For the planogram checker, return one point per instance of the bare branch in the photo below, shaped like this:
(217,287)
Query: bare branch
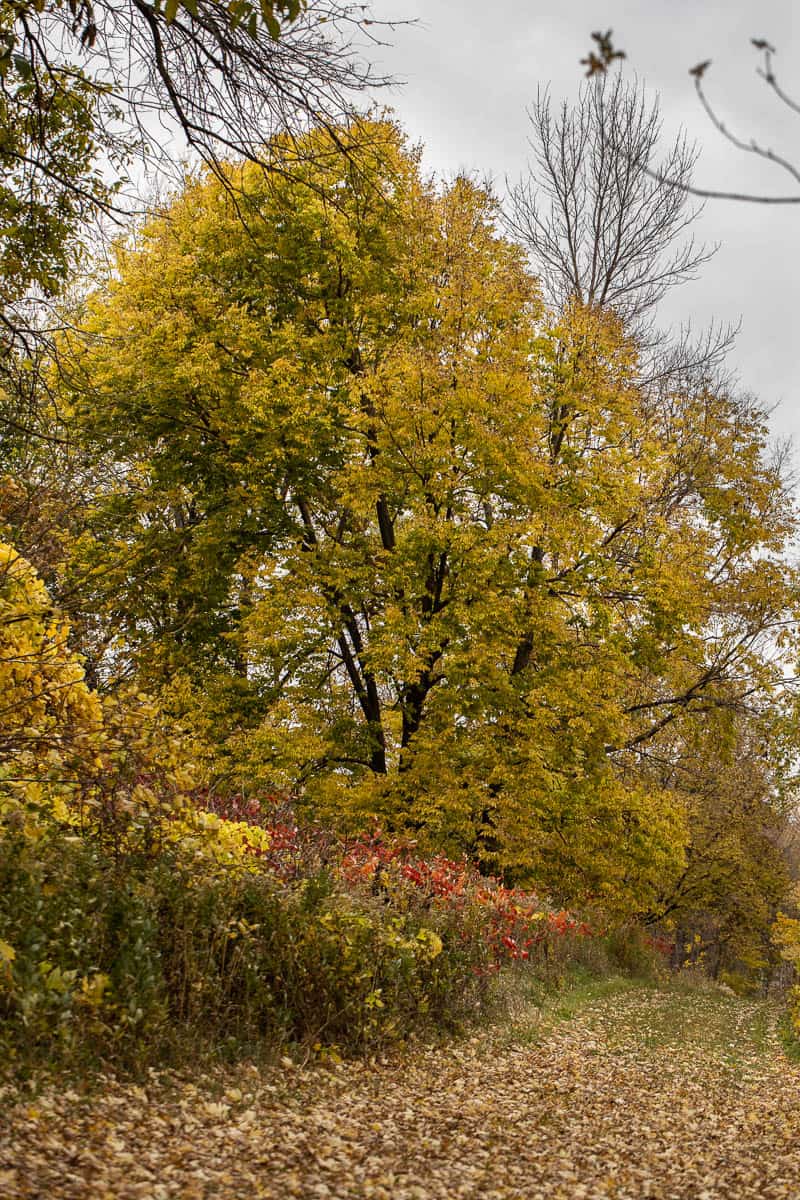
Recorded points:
(601,226)
(598,65)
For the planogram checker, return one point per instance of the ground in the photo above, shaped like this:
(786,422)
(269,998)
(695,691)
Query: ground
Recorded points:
(622,1091)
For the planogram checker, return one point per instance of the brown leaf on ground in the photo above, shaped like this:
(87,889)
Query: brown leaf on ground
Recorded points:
(643,1094)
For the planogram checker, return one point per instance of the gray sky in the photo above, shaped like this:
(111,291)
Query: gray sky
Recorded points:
(472,68)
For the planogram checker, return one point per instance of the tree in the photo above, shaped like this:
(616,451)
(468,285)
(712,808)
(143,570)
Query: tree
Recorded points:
(85,86)
(602,222)
(227,76)
(604,226)
(735,770)
(50,720)
(49,188)
(406,542)
(48,483)
(599,219)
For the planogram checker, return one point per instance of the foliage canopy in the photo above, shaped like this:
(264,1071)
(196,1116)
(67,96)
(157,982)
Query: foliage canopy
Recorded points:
(397,535)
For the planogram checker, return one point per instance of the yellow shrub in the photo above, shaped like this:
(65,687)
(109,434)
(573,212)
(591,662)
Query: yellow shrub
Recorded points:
(212,842)
(786,936)
(52,721)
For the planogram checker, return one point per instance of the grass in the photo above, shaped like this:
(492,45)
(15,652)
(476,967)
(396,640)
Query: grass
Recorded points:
(661,1017)
(732,1031)
(531,1006)
(790,1044)
(581,992)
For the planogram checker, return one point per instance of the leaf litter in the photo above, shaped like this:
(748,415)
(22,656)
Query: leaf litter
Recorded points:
(644,1093)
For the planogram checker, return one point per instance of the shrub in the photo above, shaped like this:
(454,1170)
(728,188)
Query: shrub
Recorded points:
(137,959)
(517,925)
(632,951)
(160,927)
(786,936)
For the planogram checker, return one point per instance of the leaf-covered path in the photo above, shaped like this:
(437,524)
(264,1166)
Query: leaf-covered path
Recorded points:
(641,1093)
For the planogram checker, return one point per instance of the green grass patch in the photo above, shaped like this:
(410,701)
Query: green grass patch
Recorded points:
(790,1043)
(532,1006)
(664,1017)
(667,1018)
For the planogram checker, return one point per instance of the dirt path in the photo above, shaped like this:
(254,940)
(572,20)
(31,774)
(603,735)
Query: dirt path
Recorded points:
(641,1093)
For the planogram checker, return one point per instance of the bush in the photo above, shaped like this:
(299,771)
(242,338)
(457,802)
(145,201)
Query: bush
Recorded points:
(518,926)
(136,960)
(160,928)
(632,951)
(786,937)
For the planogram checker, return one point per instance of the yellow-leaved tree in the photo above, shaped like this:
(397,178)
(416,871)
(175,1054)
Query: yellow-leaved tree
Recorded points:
(397,538)
(51,721)
(114,768)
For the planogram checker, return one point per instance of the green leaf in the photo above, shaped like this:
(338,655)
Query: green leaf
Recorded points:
(270,20)
(23,66)
(171,11)
(237,11)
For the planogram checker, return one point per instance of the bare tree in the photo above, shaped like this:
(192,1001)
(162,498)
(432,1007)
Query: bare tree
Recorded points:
(604,223)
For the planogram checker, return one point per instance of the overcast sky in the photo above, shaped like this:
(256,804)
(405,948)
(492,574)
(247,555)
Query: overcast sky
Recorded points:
(471,68)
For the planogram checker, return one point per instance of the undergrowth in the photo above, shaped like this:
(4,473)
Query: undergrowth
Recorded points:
(211,937)
(148,960)
(208,938)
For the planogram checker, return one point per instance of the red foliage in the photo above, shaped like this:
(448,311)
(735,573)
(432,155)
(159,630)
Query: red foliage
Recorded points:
(661,944)
(515,921)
